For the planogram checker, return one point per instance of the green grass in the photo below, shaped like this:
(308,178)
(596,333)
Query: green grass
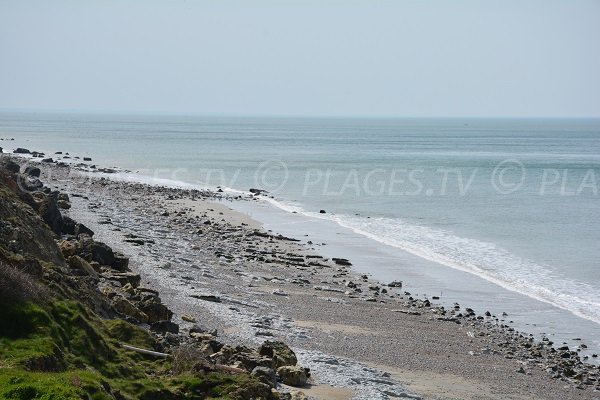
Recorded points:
(63,351)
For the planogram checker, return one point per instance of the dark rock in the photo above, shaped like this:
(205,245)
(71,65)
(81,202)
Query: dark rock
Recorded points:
(341,261)
(48,160)
(71,227)
(322,211)
(121,262)
(207,297)
(51,214)
(87,158)
(164,327)
(11,166)
(101,253)
(21,150)
(32,171)
(257,191)
(396,284)
(156,311)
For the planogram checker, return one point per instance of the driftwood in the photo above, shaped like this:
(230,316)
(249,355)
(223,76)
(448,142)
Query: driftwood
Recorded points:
(147,352)
(220,367)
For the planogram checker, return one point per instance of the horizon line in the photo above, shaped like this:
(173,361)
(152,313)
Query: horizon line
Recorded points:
(261,115)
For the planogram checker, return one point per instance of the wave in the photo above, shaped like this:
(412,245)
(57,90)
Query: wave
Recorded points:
(483,259)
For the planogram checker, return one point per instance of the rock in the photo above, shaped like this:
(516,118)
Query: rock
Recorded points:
(188,318)
(156,311)
(265,375)
(29,183)
(292,375)
(65,205)
(125,307)
(202,336)
(281,354)
(50,213)
(33,171)
(279,292)
(124,278)
(101,253)
(81,264)
(11,166)
(257,191)
(164,327)
(322,212)
(341,261)
(20,150)
(207,297)
(121,263)
(87,158)
(396,284)
(74,228)
(48,160)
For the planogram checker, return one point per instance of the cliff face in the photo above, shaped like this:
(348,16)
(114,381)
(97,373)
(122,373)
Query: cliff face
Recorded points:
(23,233)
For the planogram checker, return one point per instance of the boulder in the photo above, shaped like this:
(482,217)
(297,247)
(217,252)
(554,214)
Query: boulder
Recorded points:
(11,166)
(48,160)
(20,150)
(156,311)
(293,375)
(281,354)
(50,213)
(101,253)
(79,263)
(121,262)
(265,375)
(65,205)
(125,307)
(164,327)
(341,261)
(32,171)
(71,227)
(29,183)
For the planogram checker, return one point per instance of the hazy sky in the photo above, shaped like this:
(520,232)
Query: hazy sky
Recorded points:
(361,58)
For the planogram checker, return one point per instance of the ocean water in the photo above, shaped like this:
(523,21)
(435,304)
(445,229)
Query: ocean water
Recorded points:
(502,214)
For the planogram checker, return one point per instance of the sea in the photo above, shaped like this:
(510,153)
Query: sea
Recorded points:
(500,215)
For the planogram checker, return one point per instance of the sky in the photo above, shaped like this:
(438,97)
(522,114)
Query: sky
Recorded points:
(371,58)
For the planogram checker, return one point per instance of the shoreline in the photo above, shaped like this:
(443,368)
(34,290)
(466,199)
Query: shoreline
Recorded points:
(426,278)
(308,305)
